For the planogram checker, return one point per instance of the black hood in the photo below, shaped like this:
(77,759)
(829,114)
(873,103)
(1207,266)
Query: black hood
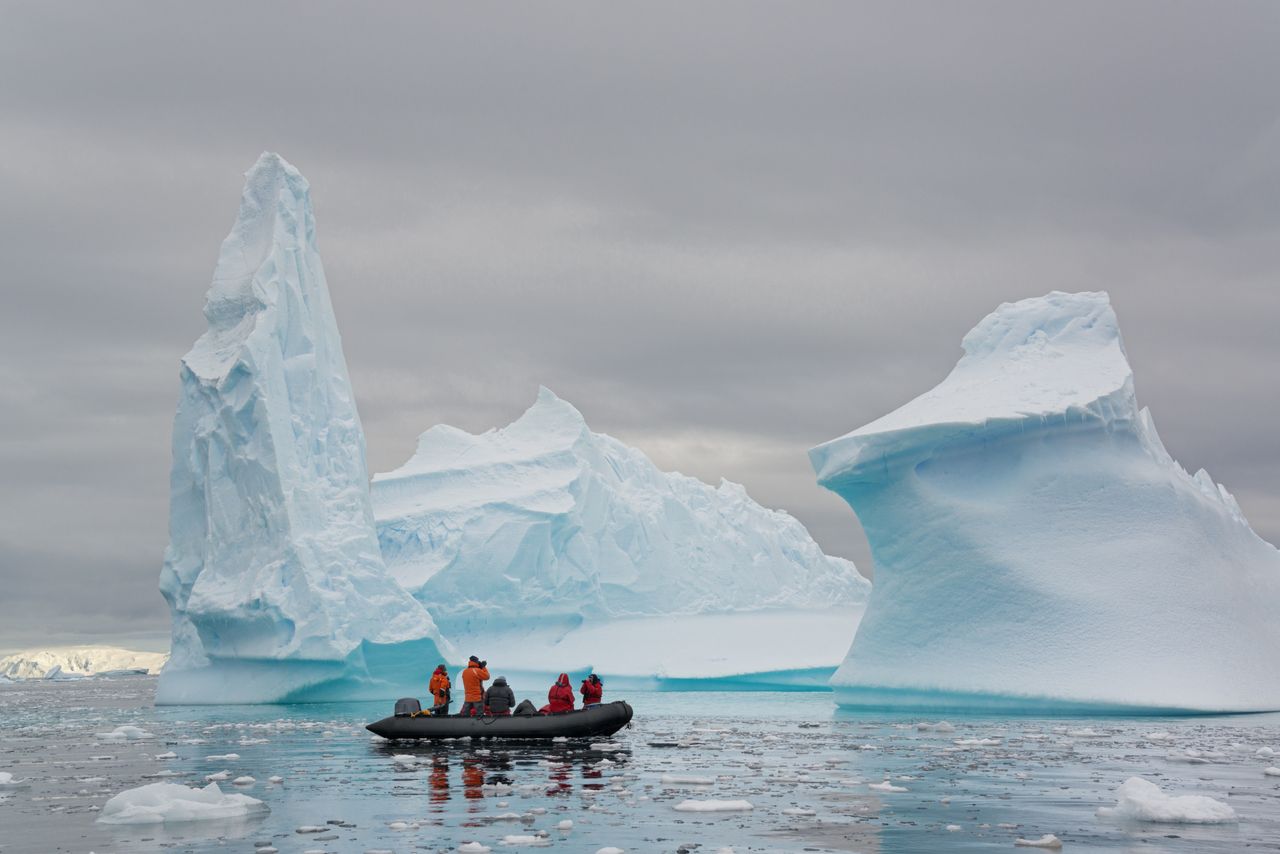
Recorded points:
(501,680)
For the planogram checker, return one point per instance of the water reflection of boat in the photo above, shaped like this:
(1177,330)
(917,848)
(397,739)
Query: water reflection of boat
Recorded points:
(591,722)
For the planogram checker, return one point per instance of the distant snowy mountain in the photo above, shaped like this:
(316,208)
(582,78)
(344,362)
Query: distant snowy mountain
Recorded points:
(1037,547)
(565,548)
(79,661)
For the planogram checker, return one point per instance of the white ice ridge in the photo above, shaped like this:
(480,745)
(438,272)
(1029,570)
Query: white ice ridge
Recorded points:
(80,660)
(273,574)
(1037,547)
(576,548)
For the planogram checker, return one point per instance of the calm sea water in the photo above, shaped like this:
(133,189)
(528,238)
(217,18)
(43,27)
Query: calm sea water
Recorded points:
(780,752)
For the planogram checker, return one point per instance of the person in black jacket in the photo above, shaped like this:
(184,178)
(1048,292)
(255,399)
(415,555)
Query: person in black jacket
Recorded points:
(499,698)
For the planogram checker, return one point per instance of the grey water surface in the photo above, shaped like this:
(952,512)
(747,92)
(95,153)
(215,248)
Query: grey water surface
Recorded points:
(980,787)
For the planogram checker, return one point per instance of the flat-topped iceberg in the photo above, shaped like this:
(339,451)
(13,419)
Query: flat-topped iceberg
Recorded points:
(555,548)
(273,573)
(1036,546)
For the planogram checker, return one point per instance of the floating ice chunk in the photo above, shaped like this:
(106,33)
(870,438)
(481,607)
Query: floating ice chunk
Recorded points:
(399,825)
(692,805)
(606,745)
(1138,799)
(976,742)
(940,726)
(686,780)
(1046,841)
(168,755)
(8,781)
(566,824)
(244,780)
(155,803)
(311,828)
(520,839)
(798,811)
(1271,772)
(952,828)
(611,850)
(1264,752)
(125,732)
(473,848)
(886,786)
(224,757)
(1087,732)
(218,777)
(275,778)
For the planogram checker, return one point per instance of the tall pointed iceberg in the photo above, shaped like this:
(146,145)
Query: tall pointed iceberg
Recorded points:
(273,575)
(1036,546)
(544,546)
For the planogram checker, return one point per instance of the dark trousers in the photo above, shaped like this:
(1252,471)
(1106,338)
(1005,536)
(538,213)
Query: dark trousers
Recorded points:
(472,707)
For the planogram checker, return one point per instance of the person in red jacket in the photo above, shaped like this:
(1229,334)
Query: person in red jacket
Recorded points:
(592,690)
(560,697)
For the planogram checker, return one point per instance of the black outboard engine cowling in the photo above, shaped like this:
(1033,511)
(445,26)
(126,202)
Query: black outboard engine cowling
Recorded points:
(407,706)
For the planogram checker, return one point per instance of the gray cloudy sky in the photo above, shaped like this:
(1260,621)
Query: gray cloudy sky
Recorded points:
(726,232)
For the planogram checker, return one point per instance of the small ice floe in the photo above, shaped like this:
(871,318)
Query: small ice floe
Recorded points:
(1271,772)
(976,742)
(126,732)
(473,848)
(886,786)
(687,780)
(1159,736)
(275,778)
(218,777)
(940,726)
(245,780)
(1138,799)
(164,756)
(610,850)
(245,742)
(799,811)
(1046,841)
(606,745)
(311,828)
(8,781)
(560,739)
(712,805)
(161,774)
(566,824)
(224,757)
(1086,732)
(952,828)
(399,825)
(525,839)
(1197,757)
(157,803)
(1264,752)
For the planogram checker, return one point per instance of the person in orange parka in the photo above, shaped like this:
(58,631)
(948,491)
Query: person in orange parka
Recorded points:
(440,688)
(560,697)
(592,691)
(473,687)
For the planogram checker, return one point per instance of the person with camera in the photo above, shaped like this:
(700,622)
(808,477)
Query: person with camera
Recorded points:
(473,679)
(592,691)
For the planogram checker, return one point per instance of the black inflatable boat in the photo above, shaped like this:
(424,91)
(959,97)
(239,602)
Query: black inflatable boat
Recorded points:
(591,722)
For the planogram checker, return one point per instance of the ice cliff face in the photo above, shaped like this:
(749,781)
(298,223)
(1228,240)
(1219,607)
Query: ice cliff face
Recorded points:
(273,573)
(547,525)
(1036,546)
(81,660)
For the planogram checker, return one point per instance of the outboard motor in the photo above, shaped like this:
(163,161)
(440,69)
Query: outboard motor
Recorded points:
(407,706)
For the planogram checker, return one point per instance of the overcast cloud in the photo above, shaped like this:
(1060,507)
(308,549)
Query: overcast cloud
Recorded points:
(725,232)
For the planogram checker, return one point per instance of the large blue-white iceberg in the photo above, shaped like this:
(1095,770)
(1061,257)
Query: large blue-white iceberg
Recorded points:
(273,574)
(545,547)
(1036,546)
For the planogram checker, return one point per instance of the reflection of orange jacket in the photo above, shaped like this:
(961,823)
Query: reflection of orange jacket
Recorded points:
(473,682)
(438,686)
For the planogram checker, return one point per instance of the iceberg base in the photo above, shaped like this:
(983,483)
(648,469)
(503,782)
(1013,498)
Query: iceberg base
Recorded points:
(371,672)
(866,698)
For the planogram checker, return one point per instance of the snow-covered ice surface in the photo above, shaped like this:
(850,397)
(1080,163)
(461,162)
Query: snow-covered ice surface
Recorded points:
(801,765)
(273,573)
(1036,546)
(562,544)
(84,660)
